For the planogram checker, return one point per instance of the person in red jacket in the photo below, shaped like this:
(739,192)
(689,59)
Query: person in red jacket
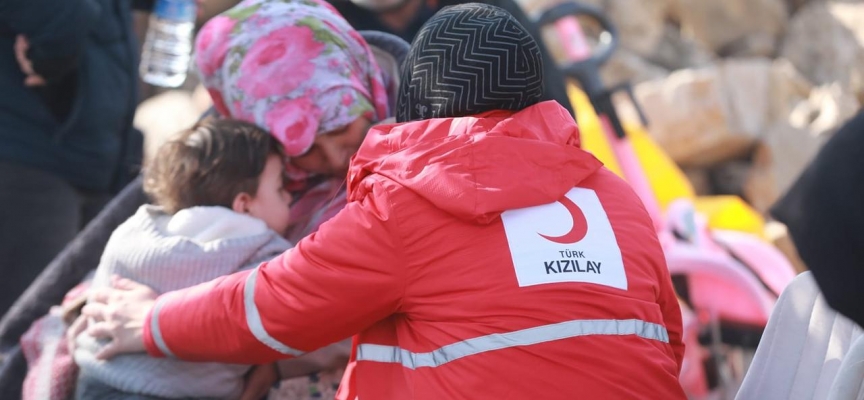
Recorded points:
(482,254)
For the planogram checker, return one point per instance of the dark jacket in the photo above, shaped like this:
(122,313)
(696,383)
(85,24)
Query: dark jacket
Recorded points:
(78,125)
(824,211)
(364,20)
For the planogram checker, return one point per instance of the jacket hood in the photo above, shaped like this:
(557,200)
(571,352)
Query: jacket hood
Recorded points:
(479,166)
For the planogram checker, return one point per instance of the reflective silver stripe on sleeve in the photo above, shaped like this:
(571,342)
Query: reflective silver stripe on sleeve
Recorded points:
(253,319)
(154,327)
(498,341)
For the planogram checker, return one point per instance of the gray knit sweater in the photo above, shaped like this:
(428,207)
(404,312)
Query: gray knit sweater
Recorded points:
(169,253)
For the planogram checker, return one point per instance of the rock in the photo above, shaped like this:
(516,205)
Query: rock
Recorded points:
(536,7)
(784,153)
(729,178)
(717,24)
(788,146)
(676,52)
(795,5)
(760,190)
(787,89)
(760,44)
(707,115)
(163,115)
(700,180)
(827,108)
(641,23)
(746,85)
(825,41)
(687,116)
(628,66)
(778,234)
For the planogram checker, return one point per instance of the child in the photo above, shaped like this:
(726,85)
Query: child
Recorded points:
(220,206)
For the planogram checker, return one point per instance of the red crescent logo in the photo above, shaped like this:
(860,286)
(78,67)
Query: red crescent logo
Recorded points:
(580,224)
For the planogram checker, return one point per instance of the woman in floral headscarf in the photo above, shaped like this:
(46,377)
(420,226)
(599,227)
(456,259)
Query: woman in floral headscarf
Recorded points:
(298,69)
(294,67)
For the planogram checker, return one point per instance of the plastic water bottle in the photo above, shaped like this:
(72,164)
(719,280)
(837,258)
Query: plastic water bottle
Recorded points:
(168,45)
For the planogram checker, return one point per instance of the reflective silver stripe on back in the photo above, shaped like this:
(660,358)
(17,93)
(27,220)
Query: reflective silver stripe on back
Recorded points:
(154,328)
(253,319)
(498,341)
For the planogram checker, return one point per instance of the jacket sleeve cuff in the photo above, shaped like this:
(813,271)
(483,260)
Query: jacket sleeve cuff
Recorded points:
(152,335)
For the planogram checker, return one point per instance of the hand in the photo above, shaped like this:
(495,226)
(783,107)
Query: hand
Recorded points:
(120,314)
(259,381)
(21,47)
(80,325)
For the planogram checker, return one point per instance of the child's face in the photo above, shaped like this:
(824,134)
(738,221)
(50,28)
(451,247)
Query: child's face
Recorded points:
(270,204)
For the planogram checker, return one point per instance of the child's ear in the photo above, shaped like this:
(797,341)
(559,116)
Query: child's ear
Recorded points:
(241,203)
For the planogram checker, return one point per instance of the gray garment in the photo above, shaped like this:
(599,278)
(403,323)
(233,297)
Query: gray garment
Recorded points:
(143,250)
(89,388)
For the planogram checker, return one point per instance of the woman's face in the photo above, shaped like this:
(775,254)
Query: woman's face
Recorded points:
(331,152)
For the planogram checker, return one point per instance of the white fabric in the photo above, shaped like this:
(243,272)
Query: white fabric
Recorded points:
(253,320)
(209,223)
(802,348)
(849,383)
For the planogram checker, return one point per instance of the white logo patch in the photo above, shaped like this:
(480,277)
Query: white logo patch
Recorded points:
(570,240)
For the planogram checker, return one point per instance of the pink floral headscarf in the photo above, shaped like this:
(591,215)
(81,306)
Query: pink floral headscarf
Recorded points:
(294,67)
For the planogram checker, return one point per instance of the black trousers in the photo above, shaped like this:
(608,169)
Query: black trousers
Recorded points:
(63,272)
(39,214)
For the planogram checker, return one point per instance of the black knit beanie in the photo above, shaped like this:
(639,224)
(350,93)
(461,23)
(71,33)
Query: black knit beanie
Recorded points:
(469,59)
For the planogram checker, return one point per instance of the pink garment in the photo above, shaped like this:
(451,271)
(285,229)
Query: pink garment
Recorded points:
(51,371)
(318,204)
(296,68)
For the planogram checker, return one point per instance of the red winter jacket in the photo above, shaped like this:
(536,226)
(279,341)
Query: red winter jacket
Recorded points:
(480,257)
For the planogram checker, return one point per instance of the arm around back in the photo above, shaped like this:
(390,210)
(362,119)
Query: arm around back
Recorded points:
(333,284)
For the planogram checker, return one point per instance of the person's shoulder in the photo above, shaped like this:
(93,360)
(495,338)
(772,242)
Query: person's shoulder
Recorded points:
(387,199)
(614,193)
(378,187)
(270,249)
(276,244)
(144,218)
(606,179)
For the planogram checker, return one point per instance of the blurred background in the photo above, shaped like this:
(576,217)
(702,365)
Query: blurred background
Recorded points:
(740,94)
(737,95)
